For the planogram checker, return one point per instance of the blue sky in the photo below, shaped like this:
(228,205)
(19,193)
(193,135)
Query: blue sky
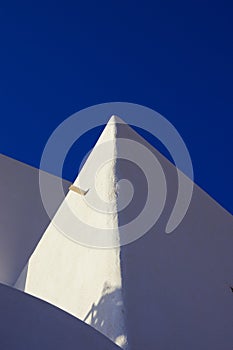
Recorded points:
(173,56)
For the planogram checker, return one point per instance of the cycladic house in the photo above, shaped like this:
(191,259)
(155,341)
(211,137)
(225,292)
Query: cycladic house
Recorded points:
(160,291)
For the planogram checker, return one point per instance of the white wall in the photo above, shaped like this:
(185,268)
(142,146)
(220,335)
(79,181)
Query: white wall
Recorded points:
(77,278)
(28,323)
(23,219)
(175,288)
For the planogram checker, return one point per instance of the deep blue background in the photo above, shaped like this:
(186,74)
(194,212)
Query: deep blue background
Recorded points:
(176,57)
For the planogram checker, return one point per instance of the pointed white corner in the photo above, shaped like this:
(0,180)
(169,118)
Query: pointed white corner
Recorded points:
(116,120)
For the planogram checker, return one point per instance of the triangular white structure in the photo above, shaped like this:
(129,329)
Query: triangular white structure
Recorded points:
(160,292)
(77,278)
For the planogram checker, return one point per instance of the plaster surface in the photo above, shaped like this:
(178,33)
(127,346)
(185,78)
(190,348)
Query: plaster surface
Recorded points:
(165,291)
(23,218)
(83,281)
(28,323)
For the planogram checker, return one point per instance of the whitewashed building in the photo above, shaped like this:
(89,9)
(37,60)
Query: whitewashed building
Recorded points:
(158,292)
